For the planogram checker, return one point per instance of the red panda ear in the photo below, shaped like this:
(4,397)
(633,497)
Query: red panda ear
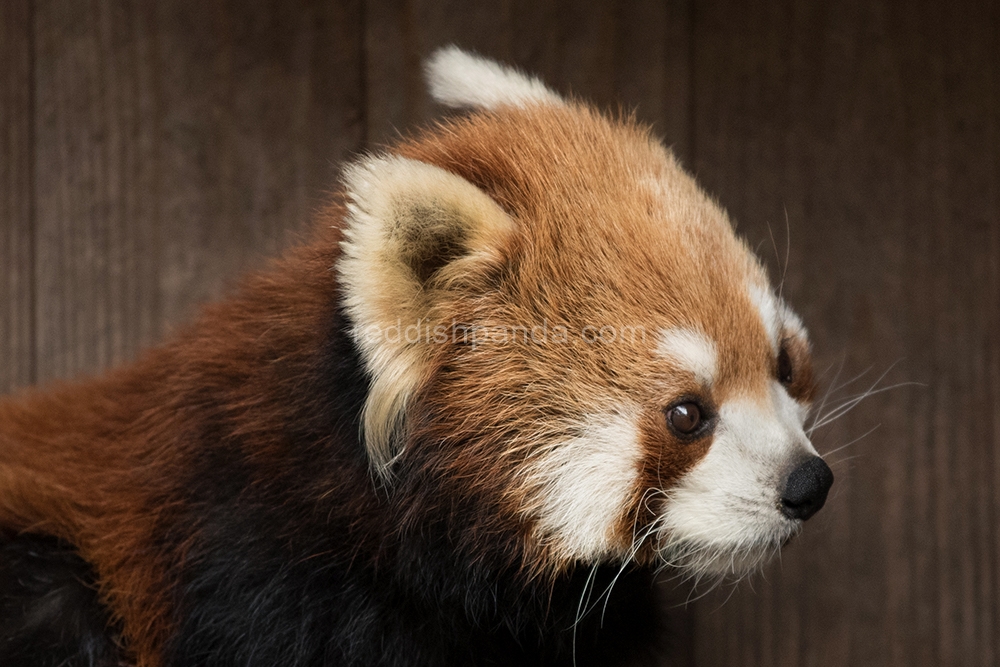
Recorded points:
(460,79)
(414,234)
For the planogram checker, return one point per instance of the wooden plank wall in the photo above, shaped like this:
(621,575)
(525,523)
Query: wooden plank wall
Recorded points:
(17,345)
(873,129)
(149,152)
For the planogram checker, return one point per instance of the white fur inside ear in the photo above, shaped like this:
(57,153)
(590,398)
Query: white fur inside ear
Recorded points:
(411,230)
(459,79)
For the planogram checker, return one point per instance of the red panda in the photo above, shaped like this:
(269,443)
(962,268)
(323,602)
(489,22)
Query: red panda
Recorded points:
(522,363)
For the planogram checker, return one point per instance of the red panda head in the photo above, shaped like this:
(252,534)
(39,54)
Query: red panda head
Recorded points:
(554,316)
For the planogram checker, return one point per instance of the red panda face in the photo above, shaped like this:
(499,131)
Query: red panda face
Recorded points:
(559,325)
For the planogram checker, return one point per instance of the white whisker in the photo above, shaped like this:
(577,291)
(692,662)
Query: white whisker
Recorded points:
(588,586)
(844,460)
(829,392)
(854,441)
(822,418)
(848,405)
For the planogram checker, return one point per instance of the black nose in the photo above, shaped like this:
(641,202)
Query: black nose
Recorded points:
(806,489)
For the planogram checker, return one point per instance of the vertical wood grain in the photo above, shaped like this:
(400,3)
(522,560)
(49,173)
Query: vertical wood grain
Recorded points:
(97,238)
(628,55)
(260,102)
(400,34)
(178,144)
(873,130)
(16,233)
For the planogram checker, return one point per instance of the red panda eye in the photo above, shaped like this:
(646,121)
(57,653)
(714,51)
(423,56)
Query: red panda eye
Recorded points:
(784,367)
(685,418)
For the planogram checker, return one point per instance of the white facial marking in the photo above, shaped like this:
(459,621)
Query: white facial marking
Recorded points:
(770,314)
(692,351)
(460,79)
(585,483)
(724,515)
(779,320)
(791,322)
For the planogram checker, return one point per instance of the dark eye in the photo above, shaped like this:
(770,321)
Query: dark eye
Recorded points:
(685,418)
(784,367)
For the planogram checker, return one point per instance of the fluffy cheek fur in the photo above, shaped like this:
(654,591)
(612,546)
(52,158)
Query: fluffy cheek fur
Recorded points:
(583,485)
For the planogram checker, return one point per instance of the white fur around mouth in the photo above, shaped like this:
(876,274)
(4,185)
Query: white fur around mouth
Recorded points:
(724,559)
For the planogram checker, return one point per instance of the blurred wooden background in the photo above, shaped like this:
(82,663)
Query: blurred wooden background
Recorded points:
(151,151)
